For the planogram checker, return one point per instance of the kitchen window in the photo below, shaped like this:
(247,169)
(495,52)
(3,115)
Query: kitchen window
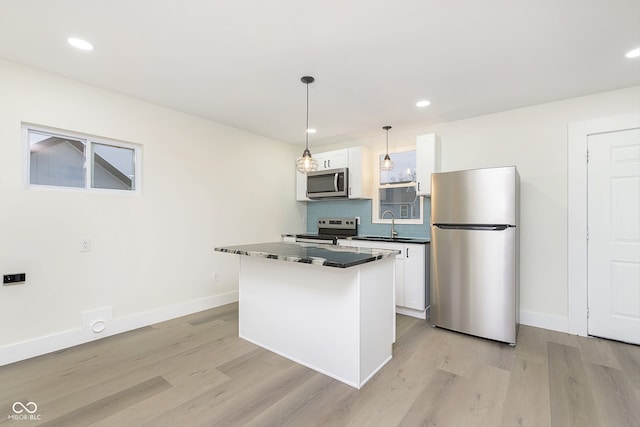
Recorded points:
(396,190)
(62,159)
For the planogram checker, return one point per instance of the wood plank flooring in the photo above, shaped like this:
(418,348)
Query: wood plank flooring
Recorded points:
(195,371)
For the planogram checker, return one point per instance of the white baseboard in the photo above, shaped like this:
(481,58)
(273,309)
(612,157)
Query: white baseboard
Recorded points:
(544,321)
(46,344)
(420,314)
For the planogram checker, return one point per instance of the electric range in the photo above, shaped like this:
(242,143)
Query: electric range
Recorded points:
(330,230)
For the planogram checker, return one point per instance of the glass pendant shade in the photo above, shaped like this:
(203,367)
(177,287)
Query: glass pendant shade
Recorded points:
(386,164)
(307,163)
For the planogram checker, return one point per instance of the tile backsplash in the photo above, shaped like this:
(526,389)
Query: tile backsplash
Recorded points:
(362,208)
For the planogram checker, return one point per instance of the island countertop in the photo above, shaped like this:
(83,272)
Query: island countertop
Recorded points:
(311,253)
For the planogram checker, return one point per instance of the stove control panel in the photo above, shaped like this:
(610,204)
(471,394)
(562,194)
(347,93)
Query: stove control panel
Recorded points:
(338,223)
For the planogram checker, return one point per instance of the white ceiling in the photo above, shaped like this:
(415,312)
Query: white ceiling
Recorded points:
(239,62)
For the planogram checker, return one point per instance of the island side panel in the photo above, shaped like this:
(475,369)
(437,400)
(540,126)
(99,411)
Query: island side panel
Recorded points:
(377,312)
(307,313)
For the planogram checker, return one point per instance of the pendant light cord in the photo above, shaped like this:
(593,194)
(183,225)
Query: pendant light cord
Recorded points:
(387,141)
(387,129)
(306,131)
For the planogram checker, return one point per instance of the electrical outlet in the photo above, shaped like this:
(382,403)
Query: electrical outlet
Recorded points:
(85,245)
(358,220)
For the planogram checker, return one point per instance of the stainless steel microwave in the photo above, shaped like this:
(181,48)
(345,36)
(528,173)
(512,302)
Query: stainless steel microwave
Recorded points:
(331,183)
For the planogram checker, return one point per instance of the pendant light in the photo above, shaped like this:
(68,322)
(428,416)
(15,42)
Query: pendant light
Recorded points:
(386,164)
(307,163)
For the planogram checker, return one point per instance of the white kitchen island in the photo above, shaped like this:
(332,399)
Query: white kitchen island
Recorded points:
(330,308)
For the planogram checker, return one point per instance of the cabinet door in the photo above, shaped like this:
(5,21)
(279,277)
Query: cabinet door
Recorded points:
(415,284)
(332,159)
(427,161)
(322,160)
(338,159)
(360,179)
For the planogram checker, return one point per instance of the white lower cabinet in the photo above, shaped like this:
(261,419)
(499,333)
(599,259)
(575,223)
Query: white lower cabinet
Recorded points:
(412,274)
(415,277)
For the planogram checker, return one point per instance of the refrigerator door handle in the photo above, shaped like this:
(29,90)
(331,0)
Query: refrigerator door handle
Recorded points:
(497,227)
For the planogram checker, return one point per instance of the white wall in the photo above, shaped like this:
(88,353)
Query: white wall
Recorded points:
(204,185)
(535,140)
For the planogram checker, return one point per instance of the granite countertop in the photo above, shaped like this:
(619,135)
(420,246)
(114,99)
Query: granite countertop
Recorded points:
(311,253)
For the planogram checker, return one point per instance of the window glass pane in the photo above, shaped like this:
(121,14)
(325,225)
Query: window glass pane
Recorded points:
(55,160)
(113,167)
(402,201)
(404,169)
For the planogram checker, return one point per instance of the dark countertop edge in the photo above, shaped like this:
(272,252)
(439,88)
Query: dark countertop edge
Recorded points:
(416,240)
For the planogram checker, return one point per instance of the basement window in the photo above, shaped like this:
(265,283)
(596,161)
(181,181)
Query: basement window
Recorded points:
(62,159)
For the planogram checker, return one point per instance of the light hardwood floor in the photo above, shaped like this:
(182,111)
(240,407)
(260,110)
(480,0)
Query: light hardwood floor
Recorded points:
(195,371)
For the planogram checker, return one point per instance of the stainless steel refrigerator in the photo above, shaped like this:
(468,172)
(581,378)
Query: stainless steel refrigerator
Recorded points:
(475,252)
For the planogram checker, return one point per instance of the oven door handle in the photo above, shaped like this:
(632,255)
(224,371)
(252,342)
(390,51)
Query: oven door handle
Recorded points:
(332,241)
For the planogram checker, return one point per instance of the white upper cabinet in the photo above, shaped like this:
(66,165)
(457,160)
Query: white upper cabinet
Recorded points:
(357,159)
(360,173)
(427,161)
(332,159)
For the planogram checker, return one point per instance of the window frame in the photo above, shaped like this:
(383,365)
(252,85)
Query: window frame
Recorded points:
(375,202)
(89,151)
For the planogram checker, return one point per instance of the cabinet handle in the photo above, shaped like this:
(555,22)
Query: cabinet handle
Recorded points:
(407,252)
(329,163)
(418,186)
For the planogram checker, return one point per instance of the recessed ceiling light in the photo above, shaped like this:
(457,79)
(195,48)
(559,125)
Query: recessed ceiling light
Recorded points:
(311,130)
(80,44)
(633,53)
(423,103)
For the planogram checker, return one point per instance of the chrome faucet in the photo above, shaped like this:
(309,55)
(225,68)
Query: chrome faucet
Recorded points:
(394,233)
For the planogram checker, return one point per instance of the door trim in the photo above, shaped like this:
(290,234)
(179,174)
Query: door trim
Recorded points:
(578,135)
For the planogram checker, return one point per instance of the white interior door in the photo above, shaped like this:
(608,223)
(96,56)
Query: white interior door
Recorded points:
(614,235)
